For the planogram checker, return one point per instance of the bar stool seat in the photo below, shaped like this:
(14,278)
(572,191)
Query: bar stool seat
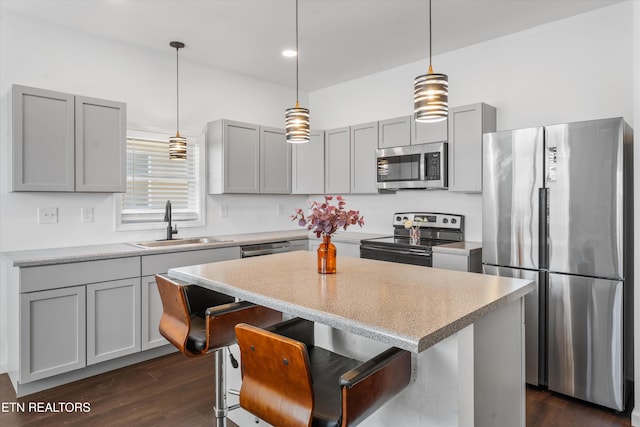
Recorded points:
(288,381)
(197,321)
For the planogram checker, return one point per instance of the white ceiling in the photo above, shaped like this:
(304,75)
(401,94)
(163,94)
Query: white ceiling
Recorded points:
(339,39)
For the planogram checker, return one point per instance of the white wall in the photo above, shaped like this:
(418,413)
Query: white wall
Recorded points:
(578,68)
(43,55)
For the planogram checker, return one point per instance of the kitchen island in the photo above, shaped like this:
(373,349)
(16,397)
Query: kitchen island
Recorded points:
(465,329)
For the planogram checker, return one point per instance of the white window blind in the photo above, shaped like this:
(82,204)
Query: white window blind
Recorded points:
(152,179)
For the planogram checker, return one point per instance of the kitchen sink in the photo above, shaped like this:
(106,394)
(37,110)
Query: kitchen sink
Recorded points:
(178,242)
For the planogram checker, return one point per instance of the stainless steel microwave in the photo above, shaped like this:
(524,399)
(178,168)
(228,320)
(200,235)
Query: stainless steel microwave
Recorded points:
(413,167)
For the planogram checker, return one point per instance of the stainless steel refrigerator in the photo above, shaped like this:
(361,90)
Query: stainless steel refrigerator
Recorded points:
(558,209)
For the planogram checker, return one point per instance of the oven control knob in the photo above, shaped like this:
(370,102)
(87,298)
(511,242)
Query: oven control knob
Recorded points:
(445,220)
(398,218)
(453,220)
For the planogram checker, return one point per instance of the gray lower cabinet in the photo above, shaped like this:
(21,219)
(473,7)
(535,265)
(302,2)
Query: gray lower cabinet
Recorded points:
(307,165)
(113,319)
(52,333)
(466,126)
(461,256)
(342,248)
(151,314)
(62,142)
(160,264)
(246,158)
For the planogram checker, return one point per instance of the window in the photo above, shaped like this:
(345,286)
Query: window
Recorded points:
(152,179)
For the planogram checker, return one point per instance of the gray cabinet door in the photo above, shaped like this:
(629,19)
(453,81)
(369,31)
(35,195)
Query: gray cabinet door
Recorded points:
(424,133)
(100,145)
(364,142)
(466,126)
(275,161)
(151,314)
(394,132)
(52,332)
(307,166)
(113,319)
(241,151)
(43,140)
(337,172)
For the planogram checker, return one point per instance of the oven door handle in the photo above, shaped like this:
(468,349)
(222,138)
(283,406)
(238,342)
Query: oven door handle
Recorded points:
(420,252)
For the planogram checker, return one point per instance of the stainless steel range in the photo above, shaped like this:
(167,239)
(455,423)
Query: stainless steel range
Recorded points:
(434,229)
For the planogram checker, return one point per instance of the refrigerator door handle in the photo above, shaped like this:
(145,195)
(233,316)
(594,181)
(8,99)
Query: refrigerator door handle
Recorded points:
(543,215)
(552,164)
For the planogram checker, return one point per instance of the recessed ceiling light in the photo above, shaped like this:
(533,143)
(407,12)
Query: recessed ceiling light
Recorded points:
(289,53)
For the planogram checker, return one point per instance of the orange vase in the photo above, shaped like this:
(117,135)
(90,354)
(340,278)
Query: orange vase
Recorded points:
(326,256)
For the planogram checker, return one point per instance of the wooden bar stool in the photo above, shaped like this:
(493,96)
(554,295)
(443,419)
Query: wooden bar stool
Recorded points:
(198,321)
(288,381)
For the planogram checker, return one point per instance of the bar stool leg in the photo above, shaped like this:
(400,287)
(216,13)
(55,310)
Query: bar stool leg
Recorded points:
(220,407)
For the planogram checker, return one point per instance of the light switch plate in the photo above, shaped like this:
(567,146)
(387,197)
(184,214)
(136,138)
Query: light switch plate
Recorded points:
(47,215)
(280,209)
(224,211)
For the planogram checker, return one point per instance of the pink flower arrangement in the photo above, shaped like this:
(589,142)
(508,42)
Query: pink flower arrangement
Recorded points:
(326,219)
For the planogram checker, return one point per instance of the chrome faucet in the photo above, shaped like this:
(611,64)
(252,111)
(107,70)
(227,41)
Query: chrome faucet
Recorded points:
(167,217)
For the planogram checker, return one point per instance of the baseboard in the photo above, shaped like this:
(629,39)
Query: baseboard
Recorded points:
(635,417)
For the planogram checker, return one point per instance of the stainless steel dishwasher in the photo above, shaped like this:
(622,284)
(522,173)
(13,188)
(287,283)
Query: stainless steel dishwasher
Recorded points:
(266,249)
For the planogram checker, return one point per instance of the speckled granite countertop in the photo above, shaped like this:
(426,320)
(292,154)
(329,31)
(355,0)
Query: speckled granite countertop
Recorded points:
(405,306)
(52,256)
(458,248)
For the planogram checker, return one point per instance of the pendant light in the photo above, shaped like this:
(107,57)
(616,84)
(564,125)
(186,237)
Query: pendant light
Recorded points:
(178,143)
(430,92)
(296,119)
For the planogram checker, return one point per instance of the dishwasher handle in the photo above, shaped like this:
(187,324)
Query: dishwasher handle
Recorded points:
(265,249)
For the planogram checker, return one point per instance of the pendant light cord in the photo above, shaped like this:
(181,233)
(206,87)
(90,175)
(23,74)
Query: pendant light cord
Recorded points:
(297,55)
(177,93)
(430,34)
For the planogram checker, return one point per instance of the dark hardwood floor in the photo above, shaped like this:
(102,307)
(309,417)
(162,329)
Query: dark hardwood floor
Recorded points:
(178,391)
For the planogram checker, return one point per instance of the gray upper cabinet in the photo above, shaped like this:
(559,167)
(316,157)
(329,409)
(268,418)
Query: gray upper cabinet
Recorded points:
(364,142)
(43,140)
(234,157)
(101,131)
(337,172)
(275,161)
(466,126)
(62,142)
(394,132)
(245,158)
(307,165)
(424,133)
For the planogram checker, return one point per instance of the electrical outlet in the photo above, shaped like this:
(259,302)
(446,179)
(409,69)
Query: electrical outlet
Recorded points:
(280,209)
(47,215)
(224,211)
(86,214)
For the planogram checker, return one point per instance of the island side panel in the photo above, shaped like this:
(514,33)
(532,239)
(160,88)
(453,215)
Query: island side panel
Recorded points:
(499,367)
